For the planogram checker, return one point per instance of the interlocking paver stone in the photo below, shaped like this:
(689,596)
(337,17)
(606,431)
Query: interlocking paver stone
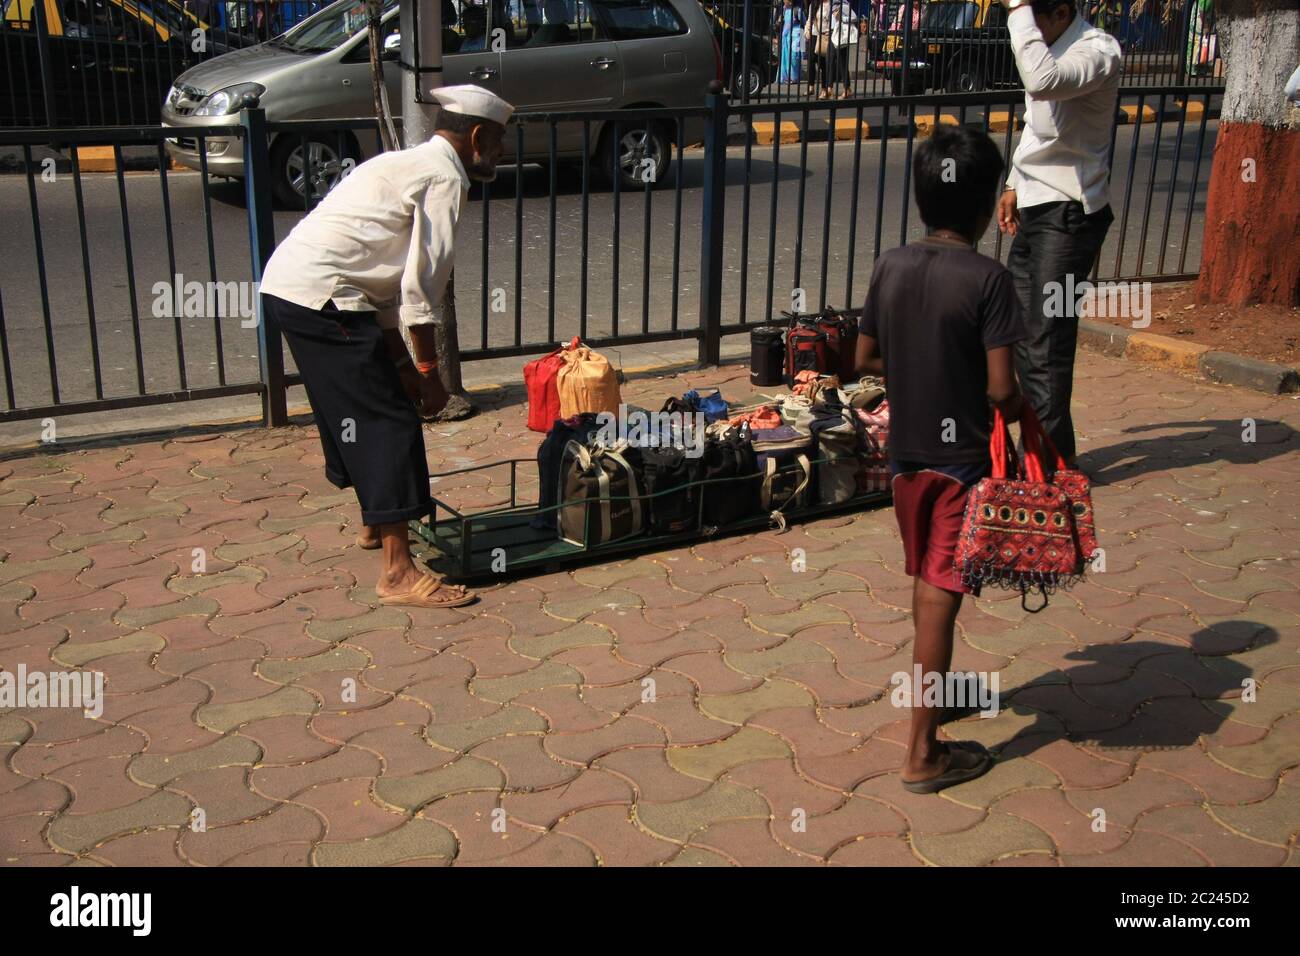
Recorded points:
(770,684)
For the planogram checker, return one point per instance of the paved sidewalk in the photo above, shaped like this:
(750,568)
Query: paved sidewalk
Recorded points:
(226,689)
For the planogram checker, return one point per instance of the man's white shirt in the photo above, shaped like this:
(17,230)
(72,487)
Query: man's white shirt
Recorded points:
(382,240)
(1071,89)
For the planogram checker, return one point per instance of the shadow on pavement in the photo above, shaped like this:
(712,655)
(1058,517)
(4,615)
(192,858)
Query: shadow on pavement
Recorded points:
(1137,696)
(1202,442)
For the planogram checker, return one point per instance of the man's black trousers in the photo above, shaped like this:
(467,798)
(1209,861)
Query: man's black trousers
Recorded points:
(369,429)
(1055,239)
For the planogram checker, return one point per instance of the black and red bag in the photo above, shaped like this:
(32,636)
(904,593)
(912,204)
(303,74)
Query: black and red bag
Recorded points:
(841,330)
(1020,532)
(805,349)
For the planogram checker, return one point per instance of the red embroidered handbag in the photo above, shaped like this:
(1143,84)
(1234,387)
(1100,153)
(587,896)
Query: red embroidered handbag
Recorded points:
(1076,485)
(1019,532)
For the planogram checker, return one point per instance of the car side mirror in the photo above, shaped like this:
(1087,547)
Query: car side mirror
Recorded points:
(392,46)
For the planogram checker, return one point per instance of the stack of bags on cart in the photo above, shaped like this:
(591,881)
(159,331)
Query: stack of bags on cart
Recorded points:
(610,471)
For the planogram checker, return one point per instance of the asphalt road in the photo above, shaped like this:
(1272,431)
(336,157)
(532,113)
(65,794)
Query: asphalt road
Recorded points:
(780,224)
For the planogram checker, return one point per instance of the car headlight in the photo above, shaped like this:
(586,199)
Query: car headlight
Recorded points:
(229,100)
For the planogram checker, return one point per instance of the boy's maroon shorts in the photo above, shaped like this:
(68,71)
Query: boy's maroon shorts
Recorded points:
(929,506)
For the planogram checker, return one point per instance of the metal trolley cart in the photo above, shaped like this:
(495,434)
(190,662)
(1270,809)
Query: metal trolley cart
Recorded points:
(475,544)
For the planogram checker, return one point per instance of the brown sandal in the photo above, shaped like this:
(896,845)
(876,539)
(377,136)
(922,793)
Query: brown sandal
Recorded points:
(425,594)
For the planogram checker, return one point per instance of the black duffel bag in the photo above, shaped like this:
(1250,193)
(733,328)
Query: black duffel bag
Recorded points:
(665,469)
(730,455)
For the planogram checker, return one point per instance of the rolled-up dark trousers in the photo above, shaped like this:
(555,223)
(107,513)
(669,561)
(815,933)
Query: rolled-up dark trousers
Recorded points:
(369,430)
(1055,240)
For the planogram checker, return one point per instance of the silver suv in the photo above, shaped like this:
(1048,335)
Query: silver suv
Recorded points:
(553,55)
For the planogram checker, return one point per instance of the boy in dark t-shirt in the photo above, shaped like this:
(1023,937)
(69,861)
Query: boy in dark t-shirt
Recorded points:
(939,324)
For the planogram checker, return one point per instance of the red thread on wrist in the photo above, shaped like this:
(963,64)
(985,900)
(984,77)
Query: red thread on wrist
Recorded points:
(426,367)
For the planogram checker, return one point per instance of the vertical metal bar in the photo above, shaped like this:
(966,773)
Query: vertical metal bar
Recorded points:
(553,187)
(715,172)
(1151,187)
(586,224)
(677,219)
(826,209)
(617,173)
(645,238)
(171,259)
(744,232)
(4,353)
(130,270)
(905,193)
(485,245)
(1128,188)
(880,182)
(41,275)
(85,269)
(212,252)
(1008,156)
(1173,185)
(746,26)
(803,188)
(519,233)
(41,27)
(1196,182)
(853,208)
(771,215)
(261,241)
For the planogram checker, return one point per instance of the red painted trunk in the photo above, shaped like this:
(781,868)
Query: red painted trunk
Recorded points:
(1250,247)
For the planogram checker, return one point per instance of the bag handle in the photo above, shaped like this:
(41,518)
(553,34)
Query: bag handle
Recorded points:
(1043,446)
(1000,449)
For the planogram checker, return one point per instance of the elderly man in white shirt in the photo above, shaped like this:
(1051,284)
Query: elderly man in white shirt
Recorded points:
(375,255)
(1057,198)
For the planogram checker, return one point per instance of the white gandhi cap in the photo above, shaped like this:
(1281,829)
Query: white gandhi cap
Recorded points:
(474,101)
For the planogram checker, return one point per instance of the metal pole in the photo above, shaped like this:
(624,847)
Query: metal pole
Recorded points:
(745,52)
(261,242)
(41,23)
(715,172)
(421,31)
(907,45)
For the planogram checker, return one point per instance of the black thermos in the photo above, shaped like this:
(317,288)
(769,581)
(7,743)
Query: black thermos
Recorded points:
(766,355)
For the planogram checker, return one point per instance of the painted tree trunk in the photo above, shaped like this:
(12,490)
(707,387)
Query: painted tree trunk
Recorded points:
(1249,252)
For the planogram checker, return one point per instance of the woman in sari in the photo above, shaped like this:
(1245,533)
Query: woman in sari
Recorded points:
(790,18)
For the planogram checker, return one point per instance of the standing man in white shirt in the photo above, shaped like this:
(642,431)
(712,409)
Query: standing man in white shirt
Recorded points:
(1057,198)
(375,255)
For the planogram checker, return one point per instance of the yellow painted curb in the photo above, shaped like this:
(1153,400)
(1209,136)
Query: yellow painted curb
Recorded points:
(925,125)
(1195,108)
(1163,350)
(96,159)
(850,129)
(765,133)
(1131,111)
(999,120)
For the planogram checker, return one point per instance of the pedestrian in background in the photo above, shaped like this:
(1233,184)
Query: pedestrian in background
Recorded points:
(789,27)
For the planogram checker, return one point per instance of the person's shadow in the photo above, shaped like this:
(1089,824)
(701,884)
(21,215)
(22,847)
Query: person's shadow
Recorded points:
(1236,441)
(1137,695)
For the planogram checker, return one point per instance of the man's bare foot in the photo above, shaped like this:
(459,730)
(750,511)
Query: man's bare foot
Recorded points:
(369,538)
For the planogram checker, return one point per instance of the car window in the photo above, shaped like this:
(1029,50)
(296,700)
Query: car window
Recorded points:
(949,16)
(330,28)
(638,19)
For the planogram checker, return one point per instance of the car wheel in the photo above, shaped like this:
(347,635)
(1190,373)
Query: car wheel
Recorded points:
(750,80)
(964,77)
(292,160)
(640,153)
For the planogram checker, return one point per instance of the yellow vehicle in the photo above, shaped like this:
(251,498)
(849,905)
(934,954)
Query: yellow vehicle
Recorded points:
(109,62)
(959,46)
